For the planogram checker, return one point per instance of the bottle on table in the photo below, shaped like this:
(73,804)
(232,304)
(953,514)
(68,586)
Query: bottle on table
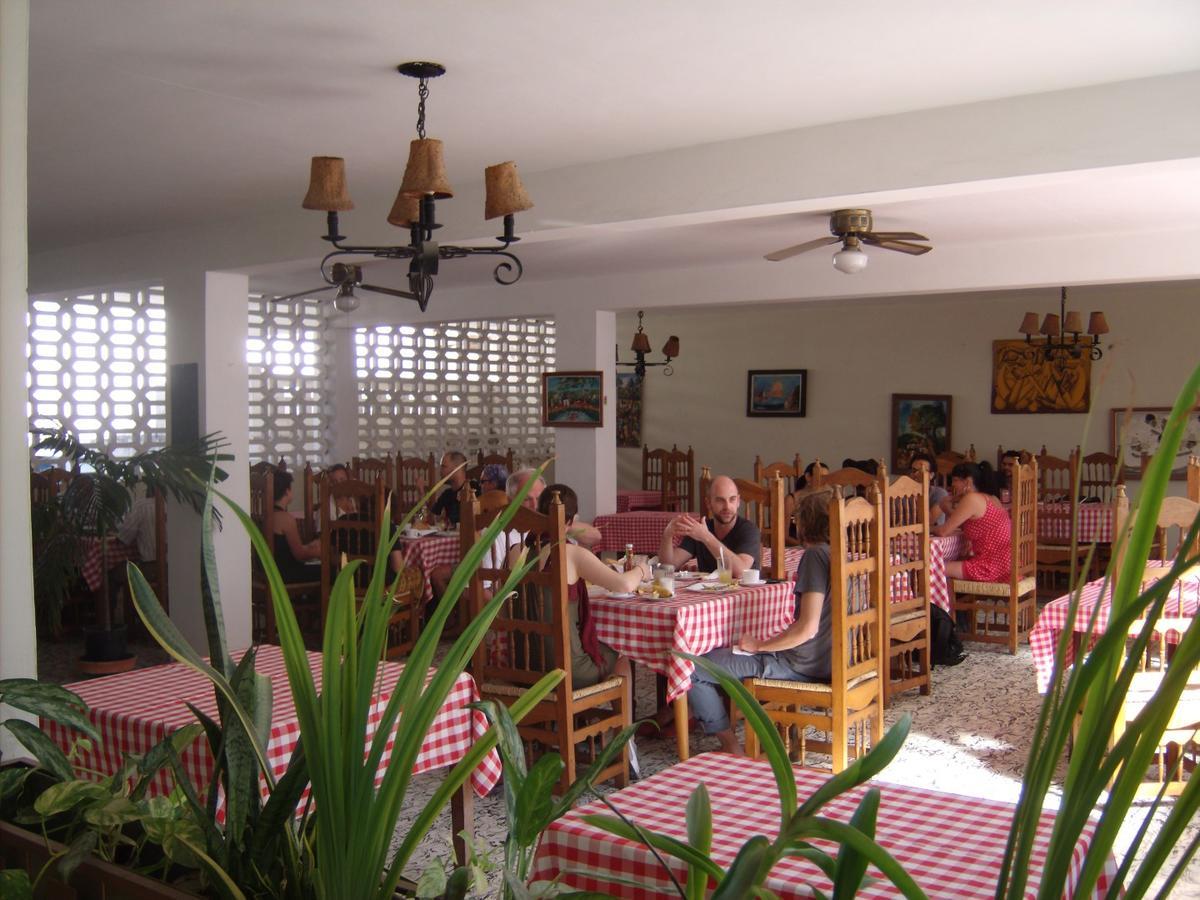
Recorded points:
(627,563)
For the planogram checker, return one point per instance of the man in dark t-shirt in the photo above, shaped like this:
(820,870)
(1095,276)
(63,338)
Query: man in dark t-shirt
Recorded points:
(726,534)
(447,502)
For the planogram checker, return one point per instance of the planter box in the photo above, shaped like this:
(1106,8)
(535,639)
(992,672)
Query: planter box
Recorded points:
(93,880)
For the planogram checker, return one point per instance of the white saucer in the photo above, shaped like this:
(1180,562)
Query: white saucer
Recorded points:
(752,583)
(620,596)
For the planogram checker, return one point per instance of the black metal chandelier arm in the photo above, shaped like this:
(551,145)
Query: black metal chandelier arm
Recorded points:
(508,271)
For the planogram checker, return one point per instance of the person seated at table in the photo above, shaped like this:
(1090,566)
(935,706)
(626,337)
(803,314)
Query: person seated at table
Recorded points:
(592,661)
(290,552)
(136,528)
(803,651)
(803,485)
(454,465)
(343,506)
(922,461)
(726,536)
(492,477)
(974,507)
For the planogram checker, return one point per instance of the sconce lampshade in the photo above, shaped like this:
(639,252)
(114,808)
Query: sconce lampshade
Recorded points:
(406,211)
(505,193)
(327,185)
(426,170)
(1050,324)
(671,347)
(641,342)
(1029,325)
(1097,324)
(1074,323)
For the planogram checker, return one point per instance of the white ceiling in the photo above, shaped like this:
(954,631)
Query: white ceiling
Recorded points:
(149,115)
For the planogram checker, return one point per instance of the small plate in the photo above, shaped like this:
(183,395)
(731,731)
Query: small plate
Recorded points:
(688,576)
(620,596)
(419,532)
(751,583)
(447,533)
(711,587)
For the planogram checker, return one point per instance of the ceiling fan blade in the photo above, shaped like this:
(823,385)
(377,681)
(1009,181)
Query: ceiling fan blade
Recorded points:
(898,235)
(902,246)
(297,295)
(800,248)
(407,295)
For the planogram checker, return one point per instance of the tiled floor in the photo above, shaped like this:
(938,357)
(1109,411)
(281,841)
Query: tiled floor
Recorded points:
(970,736)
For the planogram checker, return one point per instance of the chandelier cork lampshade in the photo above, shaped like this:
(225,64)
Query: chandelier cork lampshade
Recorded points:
(505,193)
(327,185)
(1029,325)
(1097,324)
(426,170)
(406,211)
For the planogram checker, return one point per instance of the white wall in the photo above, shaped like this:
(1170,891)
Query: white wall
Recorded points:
(858,354)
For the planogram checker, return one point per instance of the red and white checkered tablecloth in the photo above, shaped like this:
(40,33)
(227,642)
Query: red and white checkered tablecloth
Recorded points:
(1043,639)
(630,501)
(1095,522)
(951,845)
(427,552)
(644,529)
(648,630)
(135,710)
(92,558)
(941,549)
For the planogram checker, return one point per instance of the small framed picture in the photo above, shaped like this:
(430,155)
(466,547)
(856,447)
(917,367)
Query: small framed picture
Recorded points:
(919,422)
(1136,433)
(776,393)
(573,399)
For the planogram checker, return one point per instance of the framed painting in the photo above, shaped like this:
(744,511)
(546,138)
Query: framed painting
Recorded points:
(1025,381)
(776,393)
(1135,435)
(573,399)
(919,422)
(629,410)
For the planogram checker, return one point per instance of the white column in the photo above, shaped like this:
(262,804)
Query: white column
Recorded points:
(586,458)
(344,421)
(207,323)
(18,634)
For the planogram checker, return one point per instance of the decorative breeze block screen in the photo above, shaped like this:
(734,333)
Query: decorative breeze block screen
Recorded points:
(456,385)
(289,355)
(98,366)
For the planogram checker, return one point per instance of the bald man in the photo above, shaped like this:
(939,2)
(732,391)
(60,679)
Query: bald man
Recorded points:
(707,540)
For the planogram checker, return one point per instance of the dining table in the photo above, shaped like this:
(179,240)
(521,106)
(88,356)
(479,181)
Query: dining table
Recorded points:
(1095,522)
(135,710)
(952,845)
(1095,599)
(643,528)
(630,501)
(99,555)
(425,552)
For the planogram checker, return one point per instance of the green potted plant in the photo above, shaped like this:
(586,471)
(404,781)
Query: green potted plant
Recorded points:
(92,506)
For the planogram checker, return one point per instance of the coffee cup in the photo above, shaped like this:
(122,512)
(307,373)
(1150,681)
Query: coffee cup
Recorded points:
(749,576)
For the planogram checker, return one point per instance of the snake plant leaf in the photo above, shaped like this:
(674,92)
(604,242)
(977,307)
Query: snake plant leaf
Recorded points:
(159,755)
(667,844)
(44,750)
(699,819)
(861,770)
(849,836)
(852,865)
(48,701)
(512,752)
(603,760)
(535,802)
(743,873)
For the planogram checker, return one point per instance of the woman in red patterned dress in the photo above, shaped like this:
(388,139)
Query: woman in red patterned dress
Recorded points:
(974,507)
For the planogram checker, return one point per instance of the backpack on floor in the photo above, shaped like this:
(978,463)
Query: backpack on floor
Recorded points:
(944,643)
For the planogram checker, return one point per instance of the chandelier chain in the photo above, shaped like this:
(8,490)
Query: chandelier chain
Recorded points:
(422,93)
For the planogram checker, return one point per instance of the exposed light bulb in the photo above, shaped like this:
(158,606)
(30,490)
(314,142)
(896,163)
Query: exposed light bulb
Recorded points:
(345,301)
(850,260)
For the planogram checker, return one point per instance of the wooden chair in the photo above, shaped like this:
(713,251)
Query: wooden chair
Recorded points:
(1059,554)
(1099,476)
(508,460)
(764,506)
(530,637)
(41,491)
(1193,478)
(355,537)
(850,479)
(374,471)
(262,610)
(850,708)
(1179,753)
(906,627)
(1008,608)
(789,471)
(672,473)
(414,476)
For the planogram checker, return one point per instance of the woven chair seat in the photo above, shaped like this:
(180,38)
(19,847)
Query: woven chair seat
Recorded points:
(816,687)
(908,616)
(504,689)
(991,588)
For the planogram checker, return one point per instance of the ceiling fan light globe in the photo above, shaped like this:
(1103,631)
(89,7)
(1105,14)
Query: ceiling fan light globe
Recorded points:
(850,260)
(346,301)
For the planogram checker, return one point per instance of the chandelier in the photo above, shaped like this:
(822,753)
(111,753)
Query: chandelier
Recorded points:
(424,183)
(641,347)
(1062,333)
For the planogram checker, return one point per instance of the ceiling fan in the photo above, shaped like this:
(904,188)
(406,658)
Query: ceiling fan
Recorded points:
(347,277)
(854,227)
